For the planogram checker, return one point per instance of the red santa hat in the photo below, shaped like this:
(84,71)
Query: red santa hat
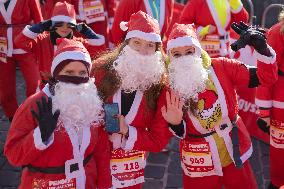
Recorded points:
(69,49)
(64,12)
(184,35)
(143,26)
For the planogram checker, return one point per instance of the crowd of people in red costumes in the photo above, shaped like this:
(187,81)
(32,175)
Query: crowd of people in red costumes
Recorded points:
(167,69)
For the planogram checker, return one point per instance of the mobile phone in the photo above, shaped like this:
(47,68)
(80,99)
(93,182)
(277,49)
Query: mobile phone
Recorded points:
(111,122)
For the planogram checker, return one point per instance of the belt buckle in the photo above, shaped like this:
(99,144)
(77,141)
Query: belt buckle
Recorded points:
(76,163)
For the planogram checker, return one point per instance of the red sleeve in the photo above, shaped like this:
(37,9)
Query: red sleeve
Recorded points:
(276,40)
(157,136)
(35,11)
(123,12)
(242,15)
(94,46)
(27,40)
(239,74)
(20,148)
(188,15)
(102,157)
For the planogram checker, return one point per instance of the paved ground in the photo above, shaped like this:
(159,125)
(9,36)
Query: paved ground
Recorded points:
(163,170)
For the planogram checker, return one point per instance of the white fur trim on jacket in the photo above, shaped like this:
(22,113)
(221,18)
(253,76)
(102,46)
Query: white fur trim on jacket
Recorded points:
(97,42)
(132,138)
(266,59)
(69,55)
(263,103)
(142,35)
(278,104)
(184,41)
(39,144)
(28,33)
(62,18)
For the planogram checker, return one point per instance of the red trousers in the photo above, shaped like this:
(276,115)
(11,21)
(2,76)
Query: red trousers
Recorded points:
(29,68)
(233,178)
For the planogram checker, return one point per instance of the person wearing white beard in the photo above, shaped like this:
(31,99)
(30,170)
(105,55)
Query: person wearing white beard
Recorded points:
(133,77)
(215,144)
(57,135)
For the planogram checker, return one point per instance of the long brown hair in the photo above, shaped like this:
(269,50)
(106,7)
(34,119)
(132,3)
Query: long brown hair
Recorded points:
(111,81)
(281,20)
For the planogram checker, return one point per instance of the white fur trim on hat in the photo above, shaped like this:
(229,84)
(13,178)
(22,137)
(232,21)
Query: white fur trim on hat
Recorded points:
(62,18)
(142,35)
(97,42)
(184,41)
(123,26)
(69,55)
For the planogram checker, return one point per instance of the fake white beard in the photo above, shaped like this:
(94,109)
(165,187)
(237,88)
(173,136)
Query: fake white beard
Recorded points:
(79,105)
(3,1)
(138,72)
(187,76)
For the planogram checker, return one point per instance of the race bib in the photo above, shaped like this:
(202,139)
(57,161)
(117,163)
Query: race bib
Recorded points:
(196,159)
(3,49)
(211,44)
(94,11)
(277,134)
(127,168)
(53,184)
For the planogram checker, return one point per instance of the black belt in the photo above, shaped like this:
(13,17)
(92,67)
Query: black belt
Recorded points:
(222,127)
(57,170)
(280,73)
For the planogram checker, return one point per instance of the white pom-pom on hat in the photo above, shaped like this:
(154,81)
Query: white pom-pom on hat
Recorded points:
(123,26)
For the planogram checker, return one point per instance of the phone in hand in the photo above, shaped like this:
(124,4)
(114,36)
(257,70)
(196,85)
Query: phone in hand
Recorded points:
(111,122)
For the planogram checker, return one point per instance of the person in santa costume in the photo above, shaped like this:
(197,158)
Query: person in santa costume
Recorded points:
(41,37)
(11,24)
(271,107)
(132,76)
(56,134)
(98,14)
(161,10)
(215,144)
(212,19)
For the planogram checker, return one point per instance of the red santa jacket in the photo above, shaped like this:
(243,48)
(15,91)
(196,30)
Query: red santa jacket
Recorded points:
(226,74)
(12,21)
(107,7)
(44,49)
(24,147)
(272,97)
(126,8)
(148,131)
(202,13)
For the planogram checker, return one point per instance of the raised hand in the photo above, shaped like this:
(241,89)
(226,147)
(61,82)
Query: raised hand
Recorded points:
(173,113)
(123,127)
(250,35)
(47,121)
(86,31)
(42,26)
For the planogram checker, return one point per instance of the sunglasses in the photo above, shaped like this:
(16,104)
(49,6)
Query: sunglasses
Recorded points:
(60,24)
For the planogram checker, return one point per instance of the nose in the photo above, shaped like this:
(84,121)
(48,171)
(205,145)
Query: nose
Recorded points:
(144,51)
